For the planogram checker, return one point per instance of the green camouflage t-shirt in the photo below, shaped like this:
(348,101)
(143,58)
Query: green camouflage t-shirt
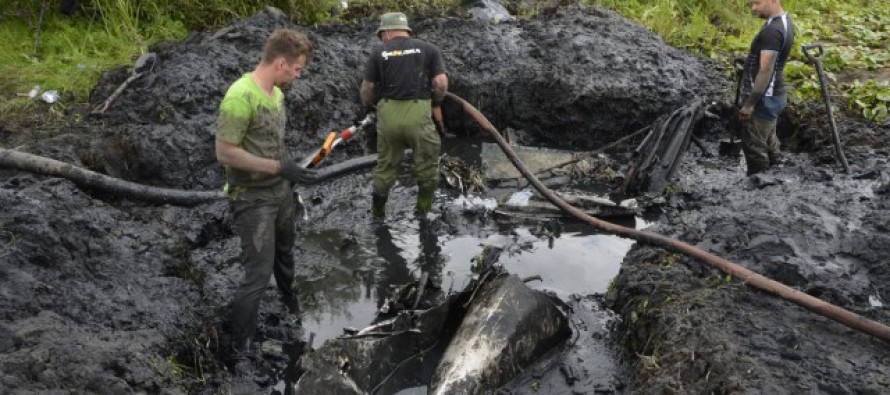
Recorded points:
(255,122)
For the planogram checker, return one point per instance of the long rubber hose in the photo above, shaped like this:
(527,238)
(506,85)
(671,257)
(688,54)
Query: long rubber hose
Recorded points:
(18,160)
(756,280)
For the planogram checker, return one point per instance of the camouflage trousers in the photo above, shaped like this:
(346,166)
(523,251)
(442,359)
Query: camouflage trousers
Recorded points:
(403,124)
(759,143)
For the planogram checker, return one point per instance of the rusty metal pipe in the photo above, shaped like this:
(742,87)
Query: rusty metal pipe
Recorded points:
(756,280)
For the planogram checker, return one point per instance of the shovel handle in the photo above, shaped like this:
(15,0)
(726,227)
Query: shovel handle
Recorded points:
(810,57)
(738,64)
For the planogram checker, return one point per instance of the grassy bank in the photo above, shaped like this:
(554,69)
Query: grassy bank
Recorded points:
(73,50)
(855,34)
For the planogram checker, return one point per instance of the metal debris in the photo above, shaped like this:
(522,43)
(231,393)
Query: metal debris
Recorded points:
(661,152)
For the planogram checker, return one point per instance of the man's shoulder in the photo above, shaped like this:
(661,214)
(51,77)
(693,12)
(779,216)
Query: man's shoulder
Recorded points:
(239,99)
(426,44)
(773,31)
(778,23)
(240,87)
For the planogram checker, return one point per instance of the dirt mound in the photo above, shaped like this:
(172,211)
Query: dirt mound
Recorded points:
(105,295)
(575,79)
(697,330)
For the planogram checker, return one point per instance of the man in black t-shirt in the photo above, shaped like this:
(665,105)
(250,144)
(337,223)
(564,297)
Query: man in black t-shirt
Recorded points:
(404,78)
(764,69)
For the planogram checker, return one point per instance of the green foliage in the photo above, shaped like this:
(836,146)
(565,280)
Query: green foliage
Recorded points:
(698,25)
(406,6)
(805,81)
(672,188)
(74,51)
(854,33)
(667,260)
(204,14)
(720,281)
(871,98)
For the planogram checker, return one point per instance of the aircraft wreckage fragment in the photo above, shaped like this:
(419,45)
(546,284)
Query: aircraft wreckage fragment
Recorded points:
(489,332)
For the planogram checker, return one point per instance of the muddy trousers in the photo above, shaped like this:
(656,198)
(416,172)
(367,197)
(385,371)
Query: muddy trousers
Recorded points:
(760,144)
(267,232)
(403,124)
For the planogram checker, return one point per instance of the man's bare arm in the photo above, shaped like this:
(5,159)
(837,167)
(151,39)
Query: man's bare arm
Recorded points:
(367,93)
(440,86)
(761,82)
(235,156)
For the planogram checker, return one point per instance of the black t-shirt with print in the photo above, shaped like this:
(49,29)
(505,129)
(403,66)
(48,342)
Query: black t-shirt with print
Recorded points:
(402,69)
(772,37)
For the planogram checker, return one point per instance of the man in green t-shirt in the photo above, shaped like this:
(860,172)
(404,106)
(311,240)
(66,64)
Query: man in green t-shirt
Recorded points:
(259,178)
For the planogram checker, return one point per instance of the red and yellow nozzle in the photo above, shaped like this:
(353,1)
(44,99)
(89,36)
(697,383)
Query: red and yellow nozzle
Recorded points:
(325,149)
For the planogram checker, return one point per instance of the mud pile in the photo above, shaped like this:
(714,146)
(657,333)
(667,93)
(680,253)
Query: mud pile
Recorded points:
(806,224)
(114,296)
(576,79)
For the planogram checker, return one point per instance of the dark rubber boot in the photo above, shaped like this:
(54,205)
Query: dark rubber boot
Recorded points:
(424,200)
(378,206)
(238,358)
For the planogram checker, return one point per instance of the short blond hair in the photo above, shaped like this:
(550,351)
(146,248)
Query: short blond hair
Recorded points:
(289,44)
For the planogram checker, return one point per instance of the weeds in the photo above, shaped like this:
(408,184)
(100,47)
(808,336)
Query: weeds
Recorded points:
(723,281)
(181,265)
(75,50)
(9,238)
(871,98)
(667,260)
(855,34)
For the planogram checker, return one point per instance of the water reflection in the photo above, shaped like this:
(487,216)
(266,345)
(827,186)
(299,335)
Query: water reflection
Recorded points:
(349,293)
(360,270)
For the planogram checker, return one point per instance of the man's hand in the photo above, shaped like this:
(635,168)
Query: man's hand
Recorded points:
(440,123)
(367,110)
(292,172)
(745,113)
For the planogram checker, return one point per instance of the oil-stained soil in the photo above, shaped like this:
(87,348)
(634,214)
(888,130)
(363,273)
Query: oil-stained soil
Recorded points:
(110,296)
(804,223)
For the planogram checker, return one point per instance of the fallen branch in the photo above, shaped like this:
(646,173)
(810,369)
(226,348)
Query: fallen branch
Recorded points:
(747,276)
(144,64)
(101,109)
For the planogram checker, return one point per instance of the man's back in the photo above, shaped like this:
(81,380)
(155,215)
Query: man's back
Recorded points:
(403,67)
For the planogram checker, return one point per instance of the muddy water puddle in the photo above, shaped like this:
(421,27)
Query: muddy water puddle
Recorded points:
(576,261)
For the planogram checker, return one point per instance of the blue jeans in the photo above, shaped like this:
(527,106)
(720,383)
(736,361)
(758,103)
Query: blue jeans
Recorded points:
(769,107)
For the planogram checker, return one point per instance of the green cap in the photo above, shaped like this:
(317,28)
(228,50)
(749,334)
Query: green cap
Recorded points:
(393,21)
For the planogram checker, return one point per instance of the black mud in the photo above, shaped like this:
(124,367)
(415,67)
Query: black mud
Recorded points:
(806,224)
(109,296)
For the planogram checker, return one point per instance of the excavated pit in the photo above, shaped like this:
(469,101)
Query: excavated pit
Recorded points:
(113,296)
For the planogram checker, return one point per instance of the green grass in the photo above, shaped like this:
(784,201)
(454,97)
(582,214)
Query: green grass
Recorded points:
(75,50)
(854,33)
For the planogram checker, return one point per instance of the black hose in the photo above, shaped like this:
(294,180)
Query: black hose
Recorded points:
(756,280)
(18,160)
